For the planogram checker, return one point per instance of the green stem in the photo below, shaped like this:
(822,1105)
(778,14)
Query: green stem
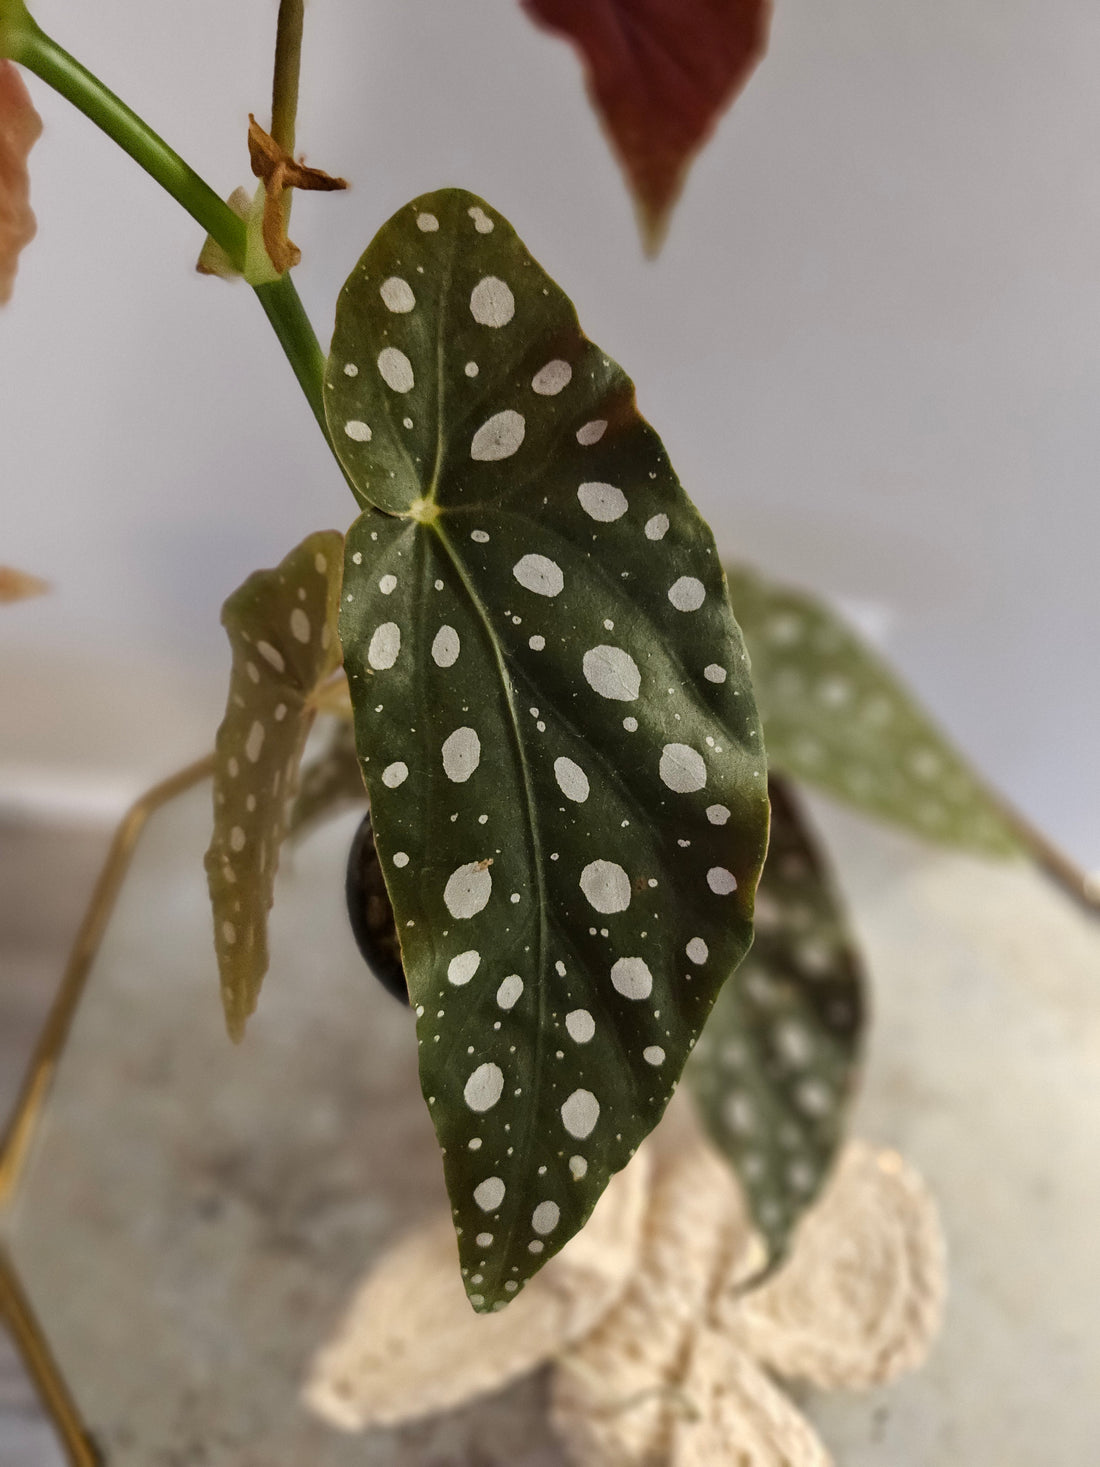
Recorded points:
(288,65)
(283,308)
(32,48)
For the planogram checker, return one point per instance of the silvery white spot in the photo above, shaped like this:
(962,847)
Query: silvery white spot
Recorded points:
(461,754)
(351,370)
(814,1098)
(236,839)
(591,432)
(483,1088)
(271,655)
(484,1240)
(544,1219)
(229,932)
(471,369)
(717,814)
(498,437)
(536,644)
(572,780)
(482,223)
(697,950)
(427,222)
(255,742)
(479,537)
(401,859)
(580,1113)
(395,774)
(509,992)
(687,594)
(489,1194)
(631,977)
(721,881)
(535,1246)
(580,1025)
(492,302)
(578,1166)
(539,574)
(653,1055)
(631,725)
(548,381)
(463,967)
(397,295)
(657,527)
(446,647)
(387,585)
(468,890)
(396,369)
(612,673)
(682,768)
(299,625)
(714,673)
(607,886)
(603,502)
(384,646)
(358,431)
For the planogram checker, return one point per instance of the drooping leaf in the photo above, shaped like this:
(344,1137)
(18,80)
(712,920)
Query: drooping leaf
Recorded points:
(838,718)
(774,1073)
(282,629)
(17,585)
(330,782)
(554,720)
(20,128)
(370,912)
(660,74)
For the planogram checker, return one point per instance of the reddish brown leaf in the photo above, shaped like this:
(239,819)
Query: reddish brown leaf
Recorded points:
(16,585)
(20,126)
(279,172)
(660,74)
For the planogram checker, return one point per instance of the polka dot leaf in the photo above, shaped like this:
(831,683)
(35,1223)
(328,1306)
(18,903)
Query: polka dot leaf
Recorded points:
(554,721)
(838,718)
(330,782)
(774,1073)
(282,629)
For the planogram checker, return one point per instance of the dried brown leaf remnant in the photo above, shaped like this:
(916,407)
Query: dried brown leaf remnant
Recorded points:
(279,172)
(16,585)
(660,73)
(20,127)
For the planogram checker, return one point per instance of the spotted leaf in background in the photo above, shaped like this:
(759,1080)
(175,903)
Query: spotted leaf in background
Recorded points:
(838,718)
(660,73)
(20,128)
(554,720)
(282,629)
(330,782)
(775,1070)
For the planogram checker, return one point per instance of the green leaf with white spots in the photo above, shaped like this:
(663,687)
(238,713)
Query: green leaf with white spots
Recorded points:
(282,630)
(774,1073)
(554,719)
(330,782)
(837,717)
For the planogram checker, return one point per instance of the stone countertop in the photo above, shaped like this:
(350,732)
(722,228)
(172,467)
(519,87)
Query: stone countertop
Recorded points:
(199,1214)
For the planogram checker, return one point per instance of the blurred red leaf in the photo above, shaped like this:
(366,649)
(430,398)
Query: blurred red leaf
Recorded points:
(660,73)
(16,585)
(20,127)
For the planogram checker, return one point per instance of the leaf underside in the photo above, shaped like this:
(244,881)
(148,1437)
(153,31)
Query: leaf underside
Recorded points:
(838,718)
(20,127)
(282,630)
(660,74)
(775,1071)
(554,720)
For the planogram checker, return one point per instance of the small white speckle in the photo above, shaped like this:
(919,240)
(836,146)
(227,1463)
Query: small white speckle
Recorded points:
(357,558)
(687,594)
(384,647)
(631,725)
(395,774)
(697,950)
(271,655)
(358,431)
(484,1240)
(489,1194)
(591,432)
(578,1167)
(682,768)
(714,673)
(572,780)
(653,1055)
(545,1217)
(612,673)
(657,527)
(721,881)
(606,886)
(463,967)
(236,839)
(498,437)
(351,370)
(446,647)
(461,754)
(510,991)
(717,814)
(387,585)
(483,1088)
(580,1025)
(397,296)
(539,574)
(300,628)
(631,977)
(471,369)
(482,223)
(602,502)
(468,890)
(401,859)
(536,644)
(255,742)
(229,933)
(427,222)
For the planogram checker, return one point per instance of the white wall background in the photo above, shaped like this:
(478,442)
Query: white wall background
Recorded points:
(872,346)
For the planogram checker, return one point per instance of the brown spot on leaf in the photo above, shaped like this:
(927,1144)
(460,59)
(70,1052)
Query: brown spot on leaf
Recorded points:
(660,73)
